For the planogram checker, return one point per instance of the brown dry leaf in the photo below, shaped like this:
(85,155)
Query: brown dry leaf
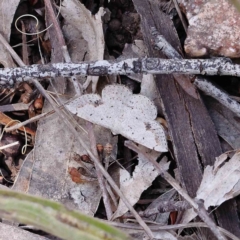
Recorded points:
(79,175)
(213,28)
(7,11)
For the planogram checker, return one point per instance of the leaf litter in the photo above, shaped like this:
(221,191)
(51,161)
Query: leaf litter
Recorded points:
(47,169)
(220,183)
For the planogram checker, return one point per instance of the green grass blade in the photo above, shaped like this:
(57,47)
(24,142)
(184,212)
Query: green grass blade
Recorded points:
(54,218)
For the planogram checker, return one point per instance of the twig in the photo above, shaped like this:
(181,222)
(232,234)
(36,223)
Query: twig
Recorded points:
(101,180)
(9,145)
(201,83)
(166,206)
(222,97)
(199,209)
(54,21)
(115,187)
(33,119)
(35,82)
(180,15)
(73,79)
(217,66)
(156,227)
(15,107)
(24,46)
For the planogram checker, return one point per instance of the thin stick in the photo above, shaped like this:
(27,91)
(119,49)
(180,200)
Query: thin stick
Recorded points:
(157,227)
(180,15)
(101,180)
(222,97)
(33,119)
(9,145)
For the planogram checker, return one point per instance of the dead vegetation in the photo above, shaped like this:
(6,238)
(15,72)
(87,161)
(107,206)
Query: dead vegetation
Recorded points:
(103,110)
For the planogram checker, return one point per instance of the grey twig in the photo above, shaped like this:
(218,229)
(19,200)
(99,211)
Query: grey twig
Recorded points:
(209,89)
(217,66)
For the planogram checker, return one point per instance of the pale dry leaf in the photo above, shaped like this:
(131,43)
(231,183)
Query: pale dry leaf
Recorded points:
(142,178)
(7,11)
(90,27)
(77,46)
(220,183)
(130,115)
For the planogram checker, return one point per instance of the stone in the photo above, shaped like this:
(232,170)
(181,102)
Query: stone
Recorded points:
(213,28)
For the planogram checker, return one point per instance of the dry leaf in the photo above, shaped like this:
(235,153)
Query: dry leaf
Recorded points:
(159,235)
(220,183)
(7,11)
(130,115)
(90,27)
(142,178)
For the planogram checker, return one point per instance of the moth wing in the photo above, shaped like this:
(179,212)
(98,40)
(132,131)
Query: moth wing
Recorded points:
(142,107)
(147,133)
(116,93)
(92,99)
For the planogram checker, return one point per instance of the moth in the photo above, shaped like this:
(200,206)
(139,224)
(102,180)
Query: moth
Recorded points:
(125,113)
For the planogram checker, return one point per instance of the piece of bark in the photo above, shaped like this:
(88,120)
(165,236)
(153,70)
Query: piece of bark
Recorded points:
(191,129)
